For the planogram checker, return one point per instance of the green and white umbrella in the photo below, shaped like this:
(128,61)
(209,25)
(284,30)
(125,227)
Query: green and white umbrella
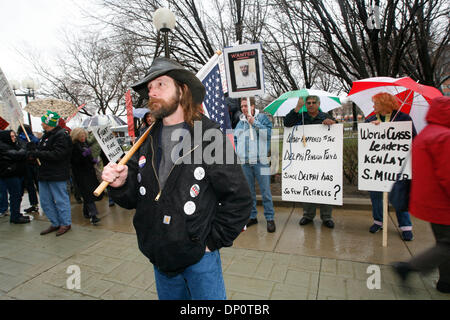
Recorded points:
(288,101)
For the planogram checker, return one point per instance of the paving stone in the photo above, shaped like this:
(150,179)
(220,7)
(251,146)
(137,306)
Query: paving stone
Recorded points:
(246,285)
(119,292)
(144,295)
(284,291)
(125,272)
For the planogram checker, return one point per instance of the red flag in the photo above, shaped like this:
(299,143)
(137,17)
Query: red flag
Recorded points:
(130,119)
(3,124)
(78,109)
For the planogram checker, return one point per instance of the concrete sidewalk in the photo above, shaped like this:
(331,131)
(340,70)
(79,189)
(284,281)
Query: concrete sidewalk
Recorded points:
(296,262)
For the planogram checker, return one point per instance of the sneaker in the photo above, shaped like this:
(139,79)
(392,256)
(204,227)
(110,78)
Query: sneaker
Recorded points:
(252,222)
(329,224)
(375,228)
(407,235)
(94,220)
(4,214)
(304,221)
(271,226)
(32,209)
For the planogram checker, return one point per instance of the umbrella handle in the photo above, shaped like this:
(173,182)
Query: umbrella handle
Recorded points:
(28,138)
(124,160)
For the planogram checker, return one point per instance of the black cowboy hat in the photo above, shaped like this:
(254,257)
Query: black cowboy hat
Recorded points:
(164,66)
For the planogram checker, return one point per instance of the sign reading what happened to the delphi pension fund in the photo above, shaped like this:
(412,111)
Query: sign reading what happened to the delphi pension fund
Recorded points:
(382,151)
(312,172)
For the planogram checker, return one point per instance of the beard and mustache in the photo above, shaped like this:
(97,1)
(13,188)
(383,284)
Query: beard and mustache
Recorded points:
(161,108)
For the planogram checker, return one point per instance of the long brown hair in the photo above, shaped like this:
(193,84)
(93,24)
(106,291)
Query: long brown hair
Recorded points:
(192,111)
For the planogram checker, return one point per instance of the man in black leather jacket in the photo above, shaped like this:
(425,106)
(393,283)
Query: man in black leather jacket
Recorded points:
(187,206)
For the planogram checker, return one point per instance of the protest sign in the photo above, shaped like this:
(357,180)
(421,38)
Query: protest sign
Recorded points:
(244,70)
(9,98)
(108,143)
(312,172)
(382,151)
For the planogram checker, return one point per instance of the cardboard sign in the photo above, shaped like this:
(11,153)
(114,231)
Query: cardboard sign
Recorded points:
(9,98)
(108,143)
(312,173)
(382,151)
(244,70)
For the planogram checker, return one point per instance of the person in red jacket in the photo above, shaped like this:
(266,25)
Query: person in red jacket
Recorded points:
(430,192)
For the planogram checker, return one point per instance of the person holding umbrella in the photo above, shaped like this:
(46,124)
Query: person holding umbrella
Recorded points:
(312,116)
(386,109)
(54,152)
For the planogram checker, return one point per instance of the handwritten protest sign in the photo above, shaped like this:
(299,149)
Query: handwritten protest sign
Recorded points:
(8,97)
(108,143)
(382,151)
(312,173)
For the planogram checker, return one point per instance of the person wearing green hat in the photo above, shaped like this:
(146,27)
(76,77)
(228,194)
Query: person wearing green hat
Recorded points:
(54,152)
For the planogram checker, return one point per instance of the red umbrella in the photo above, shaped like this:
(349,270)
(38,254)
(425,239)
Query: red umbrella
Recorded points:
(413,98)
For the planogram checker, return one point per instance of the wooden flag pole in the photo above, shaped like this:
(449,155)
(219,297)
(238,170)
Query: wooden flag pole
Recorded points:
(385,218)
(28,138)
(124,160)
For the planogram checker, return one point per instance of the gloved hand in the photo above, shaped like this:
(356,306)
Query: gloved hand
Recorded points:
(31,146)
(86,152)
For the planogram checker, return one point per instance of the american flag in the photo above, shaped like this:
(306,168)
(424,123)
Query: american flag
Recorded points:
(214,102)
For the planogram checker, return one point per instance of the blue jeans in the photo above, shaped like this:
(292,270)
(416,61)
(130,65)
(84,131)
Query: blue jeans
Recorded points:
(55,202)
(404,221)
(200,281)
(260,172)
(13,186)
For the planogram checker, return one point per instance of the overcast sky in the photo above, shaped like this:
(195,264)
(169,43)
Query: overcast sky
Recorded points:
(35,26)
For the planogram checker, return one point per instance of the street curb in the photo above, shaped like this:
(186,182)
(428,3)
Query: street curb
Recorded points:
(348,203)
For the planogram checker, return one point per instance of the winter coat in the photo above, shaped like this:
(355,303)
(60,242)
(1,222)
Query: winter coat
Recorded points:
(201,204)
(295,119)
(248,150)
(84,171)
(400,117)
(54,151)
(12,157)
(430,184)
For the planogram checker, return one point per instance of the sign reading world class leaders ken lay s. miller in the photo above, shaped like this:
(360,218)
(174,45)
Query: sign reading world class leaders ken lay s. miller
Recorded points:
(312,173)
(382,151)
(108,143)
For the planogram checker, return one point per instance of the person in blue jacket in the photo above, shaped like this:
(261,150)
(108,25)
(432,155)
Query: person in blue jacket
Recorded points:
(385,106)
(253,151)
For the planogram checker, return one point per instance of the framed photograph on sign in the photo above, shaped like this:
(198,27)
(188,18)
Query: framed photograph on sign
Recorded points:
(244,70)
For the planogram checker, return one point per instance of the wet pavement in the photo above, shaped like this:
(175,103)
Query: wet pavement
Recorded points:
(296,262)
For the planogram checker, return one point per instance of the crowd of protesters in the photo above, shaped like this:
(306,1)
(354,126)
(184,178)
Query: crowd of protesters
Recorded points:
(63,160)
